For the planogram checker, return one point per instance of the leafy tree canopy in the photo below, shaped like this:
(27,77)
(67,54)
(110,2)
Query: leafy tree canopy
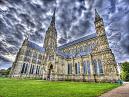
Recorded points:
(125,71)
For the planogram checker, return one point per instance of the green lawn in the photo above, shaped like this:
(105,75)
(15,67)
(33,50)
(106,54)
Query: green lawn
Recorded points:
(40,88)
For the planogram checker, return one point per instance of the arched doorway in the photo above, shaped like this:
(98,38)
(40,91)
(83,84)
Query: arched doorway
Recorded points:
(49,72)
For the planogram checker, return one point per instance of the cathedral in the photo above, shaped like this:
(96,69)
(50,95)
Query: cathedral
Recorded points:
(86,59)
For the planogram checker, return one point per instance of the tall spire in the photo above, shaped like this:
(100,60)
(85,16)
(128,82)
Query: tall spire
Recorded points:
(99,24)
(97,16)
(51,34)
(53,18)
(96,13)
(27,36)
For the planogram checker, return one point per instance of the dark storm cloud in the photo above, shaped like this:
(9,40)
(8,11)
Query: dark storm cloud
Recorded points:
(98,3)
(62,41)
(19,17)
(74,19)
(117,24)
(125,44)
(14,1)
(3,50)
(69,20)
(4,59)
(1,1)
(113,6)
(124,41)
(19,29)
(4,63)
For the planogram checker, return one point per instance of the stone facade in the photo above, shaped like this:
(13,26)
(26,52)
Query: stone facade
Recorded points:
(28,62)
(86,59)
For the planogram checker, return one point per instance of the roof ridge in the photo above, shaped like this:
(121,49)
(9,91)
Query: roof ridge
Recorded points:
(89,36)
(33,45)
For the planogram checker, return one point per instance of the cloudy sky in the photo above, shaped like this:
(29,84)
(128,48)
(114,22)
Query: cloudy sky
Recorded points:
(74,19)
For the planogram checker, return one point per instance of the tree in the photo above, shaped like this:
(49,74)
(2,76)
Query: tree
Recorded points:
(4,72)
(8,70)
(125,71)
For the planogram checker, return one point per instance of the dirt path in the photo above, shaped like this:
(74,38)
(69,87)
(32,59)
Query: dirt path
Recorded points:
(122,91)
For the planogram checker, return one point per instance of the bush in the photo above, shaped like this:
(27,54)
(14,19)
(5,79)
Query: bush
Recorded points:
(125,71)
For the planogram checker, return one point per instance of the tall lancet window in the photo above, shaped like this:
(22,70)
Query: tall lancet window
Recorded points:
(100,66)
(37,70)
(26,68)
(69,68)
(23,68)
(88,67)
(30,69)
(75,68)
(78,68)
(84,67)
(95,67)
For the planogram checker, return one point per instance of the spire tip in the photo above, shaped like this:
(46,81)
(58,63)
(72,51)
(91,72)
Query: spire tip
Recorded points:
(96,12)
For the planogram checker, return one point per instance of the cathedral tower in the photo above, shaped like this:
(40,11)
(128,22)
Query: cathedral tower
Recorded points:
(99,24)
(100,31)
(50,42)
(108,58)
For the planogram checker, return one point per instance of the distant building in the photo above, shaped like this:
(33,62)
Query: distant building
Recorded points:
(86,59)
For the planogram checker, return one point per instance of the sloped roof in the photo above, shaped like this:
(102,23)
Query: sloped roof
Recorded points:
(76,54)
(78,40)
(58,52)
(68,55)
(35,46)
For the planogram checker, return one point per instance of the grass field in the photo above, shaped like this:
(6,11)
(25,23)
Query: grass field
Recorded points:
(40,88)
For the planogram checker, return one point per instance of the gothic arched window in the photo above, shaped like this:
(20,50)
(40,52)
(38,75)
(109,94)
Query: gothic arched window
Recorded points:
(86,49)
(100,66)
(81,49)
(95,66)
(75,68)
(34,55)
(78,68)
(30,69)
(37,70)
(88,67)
(26,67)
(84,67)
(23,68)
(69,68)
(28,52)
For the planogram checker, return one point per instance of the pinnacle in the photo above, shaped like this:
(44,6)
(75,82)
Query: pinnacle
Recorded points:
(96,13)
